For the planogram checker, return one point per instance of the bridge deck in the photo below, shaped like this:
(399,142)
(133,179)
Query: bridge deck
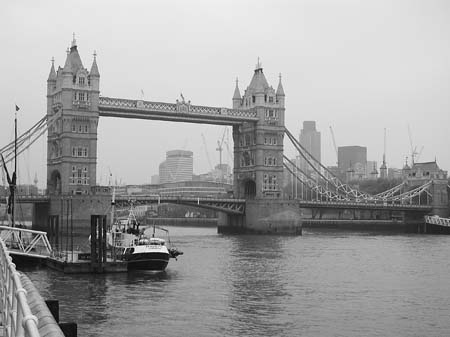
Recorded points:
(175,112)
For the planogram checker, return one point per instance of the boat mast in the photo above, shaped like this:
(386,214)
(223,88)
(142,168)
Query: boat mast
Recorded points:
(14,177)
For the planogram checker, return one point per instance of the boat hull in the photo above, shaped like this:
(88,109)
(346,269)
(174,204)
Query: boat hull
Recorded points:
(147,261)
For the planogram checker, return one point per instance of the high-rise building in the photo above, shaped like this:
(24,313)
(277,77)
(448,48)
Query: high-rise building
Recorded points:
(310,140)
(178,166)
(354,158)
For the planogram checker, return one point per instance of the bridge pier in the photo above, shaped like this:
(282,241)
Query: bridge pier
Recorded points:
(440,202)
(264,217)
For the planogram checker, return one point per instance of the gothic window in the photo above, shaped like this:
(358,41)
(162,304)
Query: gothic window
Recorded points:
(85,152)
(270,99)
(265,98)
(86,129)
(247,140)
(74,127)
(79,128)
(81,96)
(80,152)
(270,182)
(79,176)
(253,98)
(81,80)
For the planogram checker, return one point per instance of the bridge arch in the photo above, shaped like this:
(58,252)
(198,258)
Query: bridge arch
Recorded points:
(249,187)
(54,183)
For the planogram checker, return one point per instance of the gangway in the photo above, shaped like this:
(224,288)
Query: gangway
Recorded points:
(26,242)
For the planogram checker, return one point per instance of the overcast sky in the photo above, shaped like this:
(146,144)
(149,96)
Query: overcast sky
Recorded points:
(358,66)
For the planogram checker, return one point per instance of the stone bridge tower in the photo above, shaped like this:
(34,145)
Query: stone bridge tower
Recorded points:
(72,91)
(258,147)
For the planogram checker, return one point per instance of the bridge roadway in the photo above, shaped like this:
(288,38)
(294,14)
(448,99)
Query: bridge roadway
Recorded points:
(174,112)
(236,206)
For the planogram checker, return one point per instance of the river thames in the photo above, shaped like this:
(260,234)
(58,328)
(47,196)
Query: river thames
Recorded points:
(324,283)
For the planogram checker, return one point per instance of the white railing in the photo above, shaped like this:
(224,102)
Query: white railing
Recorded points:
(16,319)
(436,220)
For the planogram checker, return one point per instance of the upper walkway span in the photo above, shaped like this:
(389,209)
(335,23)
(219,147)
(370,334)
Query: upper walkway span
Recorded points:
(174,112)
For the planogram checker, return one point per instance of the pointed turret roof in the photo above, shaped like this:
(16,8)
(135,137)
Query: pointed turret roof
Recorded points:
(52,74)
(237,93)
(258,82)
(280,90)
(73,60)
(94,68)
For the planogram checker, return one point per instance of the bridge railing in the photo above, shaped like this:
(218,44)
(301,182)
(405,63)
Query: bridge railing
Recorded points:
(16,319)
(26,241)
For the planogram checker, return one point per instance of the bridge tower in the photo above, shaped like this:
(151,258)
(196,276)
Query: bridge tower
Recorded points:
(72,91)
(258,147)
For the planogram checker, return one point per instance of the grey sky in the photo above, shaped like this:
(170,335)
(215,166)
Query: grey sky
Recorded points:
(359,66)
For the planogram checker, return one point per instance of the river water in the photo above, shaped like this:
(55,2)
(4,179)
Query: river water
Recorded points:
(324,283)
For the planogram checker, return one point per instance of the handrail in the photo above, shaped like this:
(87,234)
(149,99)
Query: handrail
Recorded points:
(16,318)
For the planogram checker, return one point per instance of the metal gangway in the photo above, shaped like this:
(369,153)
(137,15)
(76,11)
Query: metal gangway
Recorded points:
(26,242)
(436,220)
(16,319)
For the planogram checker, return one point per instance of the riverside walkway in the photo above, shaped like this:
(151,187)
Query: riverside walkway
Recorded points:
(23,312)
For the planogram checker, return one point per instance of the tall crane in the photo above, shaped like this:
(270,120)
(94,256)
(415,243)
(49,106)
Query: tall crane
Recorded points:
(220,149)
(334,144)
(413,148)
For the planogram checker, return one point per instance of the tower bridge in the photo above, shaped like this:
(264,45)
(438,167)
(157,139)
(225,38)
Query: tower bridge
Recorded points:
(74,106)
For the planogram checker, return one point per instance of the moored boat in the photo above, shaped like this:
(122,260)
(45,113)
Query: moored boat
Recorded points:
(132,243)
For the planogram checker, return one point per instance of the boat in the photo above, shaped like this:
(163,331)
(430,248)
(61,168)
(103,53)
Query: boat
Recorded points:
(131,242)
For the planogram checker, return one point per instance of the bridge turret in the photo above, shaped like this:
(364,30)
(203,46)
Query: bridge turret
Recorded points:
(280,93)
(94,79)
(237,100)
(51,81)
(72,140)
(258,147)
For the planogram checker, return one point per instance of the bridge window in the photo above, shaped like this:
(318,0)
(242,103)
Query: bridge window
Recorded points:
(270,161)
(79,151)
(270,182)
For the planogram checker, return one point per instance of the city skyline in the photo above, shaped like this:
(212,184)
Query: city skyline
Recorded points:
(384,66)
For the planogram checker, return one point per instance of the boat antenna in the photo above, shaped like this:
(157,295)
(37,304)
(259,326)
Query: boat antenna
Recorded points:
(14,177)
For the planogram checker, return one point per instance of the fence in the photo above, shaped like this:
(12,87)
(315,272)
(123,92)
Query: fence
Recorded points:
(16,319)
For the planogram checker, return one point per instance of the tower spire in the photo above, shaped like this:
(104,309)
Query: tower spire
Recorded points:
(74,41)
(52,74)
(280,90)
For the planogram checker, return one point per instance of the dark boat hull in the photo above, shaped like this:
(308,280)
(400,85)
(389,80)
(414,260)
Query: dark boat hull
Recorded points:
(147,261)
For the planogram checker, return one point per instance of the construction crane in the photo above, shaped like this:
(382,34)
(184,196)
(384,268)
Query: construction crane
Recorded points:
(335,147)
(414,152)
(220,147)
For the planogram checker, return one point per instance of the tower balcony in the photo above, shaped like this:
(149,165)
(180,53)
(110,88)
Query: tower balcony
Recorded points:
(81,104)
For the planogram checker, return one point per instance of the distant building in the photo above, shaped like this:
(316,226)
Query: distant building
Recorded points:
(426,171)
(371,170)
(394,173)
(154,179)
(353,158)
(178,166)
(310,140)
